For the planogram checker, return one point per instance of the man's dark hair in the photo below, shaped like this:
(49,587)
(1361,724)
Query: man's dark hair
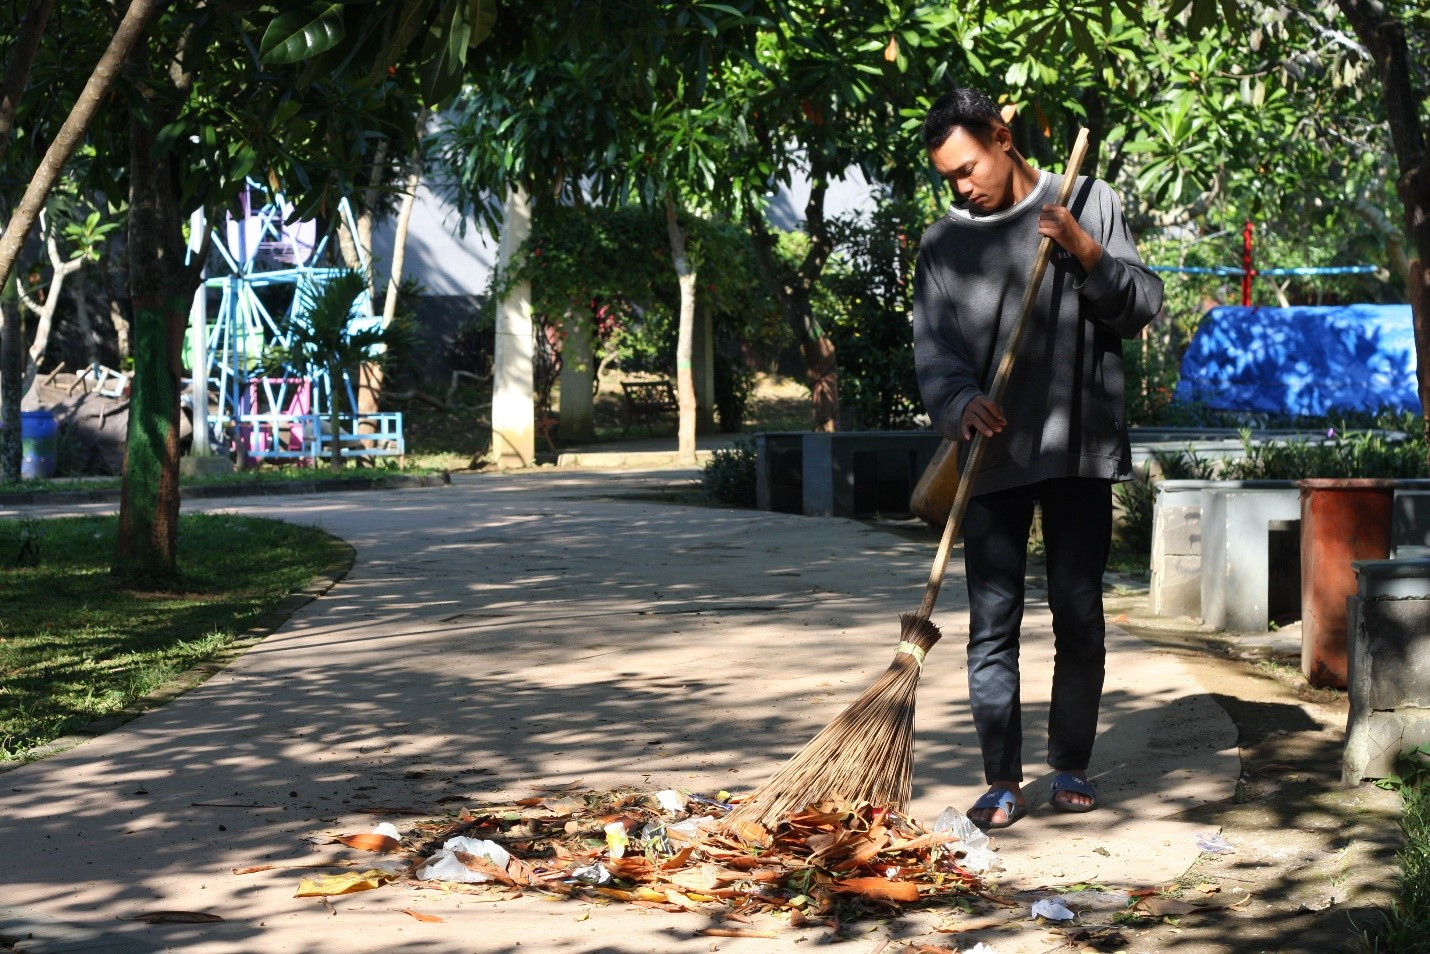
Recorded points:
(968,108)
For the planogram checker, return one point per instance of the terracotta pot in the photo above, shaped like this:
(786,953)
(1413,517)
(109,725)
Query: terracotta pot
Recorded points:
(1342,520)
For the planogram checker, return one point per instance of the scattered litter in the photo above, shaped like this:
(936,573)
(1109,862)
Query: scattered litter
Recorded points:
(590,874)
(691,827)
(449,865)
(670,801)
(961,827)
(980,948)
(1052,909)
(1213,843)
(825,861)
(616,840)
(388,829)
(969,842)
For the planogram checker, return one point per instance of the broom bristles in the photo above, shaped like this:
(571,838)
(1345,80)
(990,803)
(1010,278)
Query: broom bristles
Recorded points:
(865,755)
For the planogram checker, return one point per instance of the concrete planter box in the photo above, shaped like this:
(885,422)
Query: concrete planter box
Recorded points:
(840,474)
(855,473)
(779,471)
(1388,677)
(1177,548)
(1179,536)
(1236,523)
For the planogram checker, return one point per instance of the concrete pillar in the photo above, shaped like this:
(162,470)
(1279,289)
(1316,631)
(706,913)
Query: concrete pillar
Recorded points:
(199,373)
(578,376)
(513,409)
(702,368)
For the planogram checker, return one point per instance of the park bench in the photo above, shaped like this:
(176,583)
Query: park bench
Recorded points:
(648,400)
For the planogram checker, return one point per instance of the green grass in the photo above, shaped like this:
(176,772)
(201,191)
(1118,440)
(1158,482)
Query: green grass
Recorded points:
(1407,929)
(266,474)
(76,644)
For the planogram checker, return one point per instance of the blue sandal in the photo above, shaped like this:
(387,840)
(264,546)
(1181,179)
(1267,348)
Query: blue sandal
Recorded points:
(1068,782)
(998,799)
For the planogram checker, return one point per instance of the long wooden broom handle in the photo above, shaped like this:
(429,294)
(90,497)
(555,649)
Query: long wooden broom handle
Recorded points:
(1000,385)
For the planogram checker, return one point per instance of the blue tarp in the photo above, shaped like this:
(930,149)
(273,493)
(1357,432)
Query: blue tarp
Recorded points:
(1314,361)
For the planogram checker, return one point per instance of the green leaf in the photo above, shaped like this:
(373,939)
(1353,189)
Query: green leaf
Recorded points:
(484,18)
(300,34)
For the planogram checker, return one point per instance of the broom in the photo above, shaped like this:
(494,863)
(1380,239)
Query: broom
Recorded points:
(867,753)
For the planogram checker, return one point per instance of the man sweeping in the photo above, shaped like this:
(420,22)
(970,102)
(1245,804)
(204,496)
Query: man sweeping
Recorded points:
(1061,435)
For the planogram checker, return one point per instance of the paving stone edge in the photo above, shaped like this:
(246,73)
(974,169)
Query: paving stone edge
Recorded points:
(219,491)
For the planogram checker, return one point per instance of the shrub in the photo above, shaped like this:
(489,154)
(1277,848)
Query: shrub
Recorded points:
(729,475)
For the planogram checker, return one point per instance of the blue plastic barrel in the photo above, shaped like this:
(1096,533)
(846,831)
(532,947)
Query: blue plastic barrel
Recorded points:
(40,444)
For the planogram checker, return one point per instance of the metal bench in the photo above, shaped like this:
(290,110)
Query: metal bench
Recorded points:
(648,400)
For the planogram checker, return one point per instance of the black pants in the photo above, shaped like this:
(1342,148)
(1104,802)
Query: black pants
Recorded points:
(1077,531)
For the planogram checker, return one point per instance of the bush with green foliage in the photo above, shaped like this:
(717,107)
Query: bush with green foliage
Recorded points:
(865,300)
(729,475)
(612,266)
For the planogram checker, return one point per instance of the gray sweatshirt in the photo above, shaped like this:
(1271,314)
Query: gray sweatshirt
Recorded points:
(1064,403)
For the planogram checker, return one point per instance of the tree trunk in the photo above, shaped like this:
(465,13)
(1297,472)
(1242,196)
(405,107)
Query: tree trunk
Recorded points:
(1384,36)
(335,447)
(161,289)
(11,365)
(45,313)
(578,375)
(130,29)
(404,222)
(17,71)
(793,292)
(684,380)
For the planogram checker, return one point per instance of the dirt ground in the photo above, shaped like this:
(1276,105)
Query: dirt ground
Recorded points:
(1316,858)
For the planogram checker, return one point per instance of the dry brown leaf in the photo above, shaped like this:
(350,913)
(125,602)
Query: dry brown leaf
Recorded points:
(638,894)
(703,878)
(751,833)
(732,932)
(371,842)
(678,859)
(529,802)
(482,865)
(880,888)
(175,917)
(333,884)
(1172,907)
(253,869)
(424,918)
(976,924)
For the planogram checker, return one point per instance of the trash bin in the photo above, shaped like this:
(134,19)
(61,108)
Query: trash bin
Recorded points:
(39,444)
(1342,520)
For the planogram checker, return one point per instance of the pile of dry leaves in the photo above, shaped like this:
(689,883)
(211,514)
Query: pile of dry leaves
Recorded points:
(666,851)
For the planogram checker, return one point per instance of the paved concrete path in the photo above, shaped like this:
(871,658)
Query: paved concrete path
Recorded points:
(513,632)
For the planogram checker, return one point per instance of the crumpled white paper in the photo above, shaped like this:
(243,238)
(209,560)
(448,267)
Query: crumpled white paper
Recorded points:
(1213,843)
(446,866)
(1052,909)
(670,801)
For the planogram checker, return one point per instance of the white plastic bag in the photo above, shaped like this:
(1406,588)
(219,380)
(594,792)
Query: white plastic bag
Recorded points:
(961,828)
(1052,909)
(446,866)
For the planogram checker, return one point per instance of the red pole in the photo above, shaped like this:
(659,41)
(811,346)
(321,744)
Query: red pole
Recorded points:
(1247,271)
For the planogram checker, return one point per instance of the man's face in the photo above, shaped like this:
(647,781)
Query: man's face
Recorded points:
(981,173)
